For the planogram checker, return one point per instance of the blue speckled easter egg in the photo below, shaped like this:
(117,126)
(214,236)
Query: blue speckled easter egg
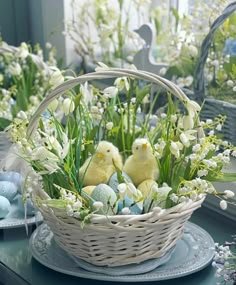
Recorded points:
(136,209)
(8,190)
(5,207)
(113,181)
(14,177)
(105,194)
(29,205)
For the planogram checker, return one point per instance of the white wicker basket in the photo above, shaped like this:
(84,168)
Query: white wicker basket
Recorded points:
(120,239)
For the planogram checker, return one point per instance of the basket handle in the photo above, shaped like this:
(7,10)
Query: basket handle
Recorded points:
(199,85)
(104,74)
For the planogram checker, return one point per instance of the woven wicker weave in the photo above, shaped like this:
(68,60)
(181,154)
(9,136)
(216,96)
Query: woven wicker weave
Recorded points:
(213,107)
(120,239)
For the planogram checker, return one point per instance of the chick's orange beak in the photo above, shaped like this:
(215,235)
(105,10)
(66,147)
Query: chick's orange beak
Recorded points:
(100,155)
(144,145)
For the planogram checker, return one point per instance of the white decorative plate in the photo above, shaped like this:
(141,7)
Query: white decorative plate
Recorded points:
(15,218)
(192,253)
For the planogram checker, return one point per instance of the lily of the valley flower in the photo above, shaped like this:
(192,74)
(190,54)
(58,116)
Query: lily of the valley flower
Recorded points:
(229,194)
(50,167)
(110,92)
(15,69)
(101,66)
(223,204)
(97,205)
(193,107)
(87,94)
(185,82)
(56,78)
(122,83)
(61,150)
(109,125)
(175,148)
(164,190)
(130,190)
(125,211)
(68,106)
(41,154)
(186,137)
(23,51)
(22,115)
(188,122)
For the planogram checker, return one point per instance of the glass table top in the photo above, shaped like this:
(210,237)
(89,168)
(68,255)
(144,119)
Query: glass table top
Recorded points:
(17,266)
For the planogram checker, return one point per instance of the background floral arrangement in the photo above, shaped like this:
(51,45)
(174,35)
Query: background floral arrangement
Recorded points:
(225,262)
(103,32)
(183,42)
(25,79)
(100,127)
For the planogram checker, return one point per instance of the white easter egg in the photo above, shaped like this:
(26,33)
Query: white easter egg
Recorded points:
(30,209)
(8,190)
(5,207)
(146,187)
(14,177)
(107,196)
(113,180)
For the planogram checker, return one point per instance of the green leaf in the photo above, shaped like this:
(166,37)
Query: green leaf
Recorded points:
(141,93)
(232,20)
(119,173)
(4,123)
(225,177)
(227,67)
(173,70)
(169,202)
(56,203)
(176,15)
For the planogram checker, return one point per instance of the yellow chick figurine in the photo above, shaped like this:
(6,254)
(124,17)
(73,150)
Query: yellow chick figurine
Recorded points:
(98,168)
(142,164)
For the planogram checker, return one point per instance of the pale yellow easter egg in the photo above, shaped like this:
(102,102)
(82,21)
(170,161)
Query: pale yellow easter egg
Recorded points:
(146,187)
(88,189)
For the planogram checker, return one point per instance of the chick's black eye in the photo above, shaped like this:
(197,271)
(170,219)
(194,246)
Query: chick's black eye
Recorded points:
(108,150)
(136,147)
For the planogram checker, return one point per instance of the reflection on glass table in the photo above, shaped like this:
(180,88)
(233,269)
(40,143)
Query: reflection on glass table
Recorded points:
(17,263)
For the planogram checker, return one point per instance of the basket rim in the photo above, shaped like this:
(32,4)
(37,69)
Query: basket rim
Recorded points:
(156,211)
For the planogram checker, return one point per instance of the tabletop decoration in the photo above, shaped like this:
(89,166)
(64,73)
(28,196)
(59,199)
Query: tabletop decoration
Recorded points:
(26,77)
(193,252)
(205,64)
(16,207)
(225,262)
(104,32)
(115,182)
(181,47)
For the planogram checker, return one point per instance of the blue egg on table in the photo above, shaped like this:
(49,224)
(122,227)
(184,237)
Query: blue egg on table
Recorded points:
(14,177)
(136,209)
(28,204)
(107,196)
(5,207)
(113,181)
(8,190)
